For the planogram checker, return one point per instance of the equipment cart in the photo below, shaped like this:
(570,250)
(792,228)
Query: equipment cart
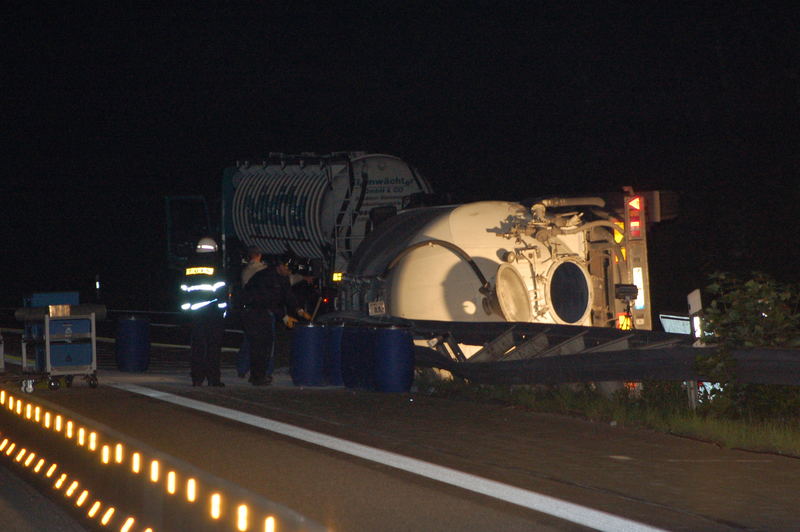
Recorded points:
(69,348)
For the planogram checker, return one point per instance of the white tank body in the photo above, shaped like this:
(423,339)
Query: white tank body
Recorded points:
(530,271)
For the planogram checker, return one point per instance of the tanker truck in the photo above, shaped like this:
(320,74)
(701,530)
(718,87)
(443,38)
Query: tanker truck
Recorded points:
(559,260)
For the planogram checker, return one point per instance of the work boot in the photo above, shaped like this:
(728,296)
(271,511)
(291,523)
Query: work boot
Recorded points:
(263,381)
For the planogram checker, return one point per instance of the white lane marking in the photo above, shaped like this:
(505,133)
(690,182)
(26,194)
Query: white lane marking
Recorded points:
(619,457)
(717,461)
(529,499)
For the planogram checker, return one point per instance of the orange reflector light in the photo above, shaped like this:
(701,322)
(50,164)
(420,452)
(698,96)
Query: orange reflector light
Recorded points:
(154,471)
(127,525)
(241,518)
(107,516)
(216,506)
(171,482)
(82,498)
(72,488)
(191,490)
(94,508)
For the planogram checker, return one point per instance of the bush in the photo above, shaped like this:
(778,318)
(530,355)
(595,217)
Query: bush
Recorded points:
(759,312)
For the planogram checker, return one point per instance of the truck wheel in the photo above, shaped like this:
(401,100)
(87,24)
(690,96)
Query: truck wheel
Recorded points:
(53,384)
(92,382)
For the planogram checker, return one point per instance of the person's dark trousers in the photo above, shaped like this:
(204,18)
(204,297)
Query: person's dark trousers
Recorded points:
(259,328)
(243,358)
(207,331)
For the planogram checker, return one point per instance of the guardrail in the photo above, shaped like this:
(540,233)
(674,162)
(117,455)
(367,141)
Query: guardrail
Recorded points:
(111,480)
(754,366)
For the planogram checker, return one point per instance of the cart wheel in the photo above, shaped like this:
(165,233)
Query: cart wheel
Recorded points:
(53,384)
(92,382)
(68,381)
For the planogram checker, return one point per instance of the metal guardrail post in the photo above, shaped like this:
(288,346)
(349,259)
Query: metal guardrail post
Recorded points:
(691,391)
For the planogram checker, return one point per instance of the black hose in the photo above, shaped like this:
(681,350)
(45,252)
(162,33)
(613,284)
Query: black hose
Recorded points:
(457,251)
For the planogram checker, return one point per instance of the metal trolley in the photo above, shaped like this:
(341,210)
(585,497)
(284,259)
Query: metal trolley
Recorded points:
(67,346)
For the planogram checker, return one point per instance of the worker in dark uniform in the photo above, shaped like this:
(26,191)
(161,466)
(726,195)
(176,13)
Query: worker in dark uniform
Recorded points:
(205,300)
(254,265)
(305,290)
(266,298)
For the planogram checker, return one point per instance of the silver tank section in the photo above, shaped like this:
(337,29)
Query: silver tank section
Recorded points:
(486,261)
(317,206)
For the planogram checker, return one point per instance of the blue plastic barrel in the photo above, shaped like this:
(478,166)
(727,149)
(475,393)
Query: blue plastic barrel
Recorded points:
(394,359)
(357,357)
(132,346)
(308,354)
(332,363)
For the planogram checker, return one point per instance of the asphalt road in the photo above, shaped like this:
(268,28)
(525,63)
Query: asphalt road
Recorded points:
(24,509)
(644,477)
(654,479)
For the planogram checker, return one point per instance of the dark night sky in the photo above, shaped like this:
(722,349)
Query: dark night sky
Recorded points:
(106,111)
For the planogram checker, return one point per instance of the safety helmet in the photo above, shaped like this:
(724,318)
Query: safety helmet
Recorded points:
(206,245)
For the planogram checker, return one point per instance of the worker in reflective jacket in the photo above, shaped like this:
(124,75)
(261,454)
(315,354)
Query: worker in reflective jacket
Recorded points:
(205,299)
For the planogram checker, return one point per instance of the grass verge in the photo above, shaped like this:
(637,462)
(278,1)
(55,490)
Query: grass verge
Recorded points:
(661,407)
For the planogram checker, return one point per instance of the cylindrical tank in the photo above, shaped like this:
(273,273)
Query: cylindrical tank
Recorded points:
(332,363)
(484,261)
(132,345)
(394,359)
(310,204)
(308,355)
(358,360)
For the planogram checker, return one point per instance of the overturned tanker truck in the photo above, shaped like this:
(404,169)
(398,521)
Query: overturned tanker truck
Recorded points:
(570,274)
(561,260)
(577,261)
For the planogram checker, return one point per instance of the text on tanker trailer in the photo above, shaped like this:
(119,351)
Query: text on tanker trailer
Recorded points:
(314,206)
